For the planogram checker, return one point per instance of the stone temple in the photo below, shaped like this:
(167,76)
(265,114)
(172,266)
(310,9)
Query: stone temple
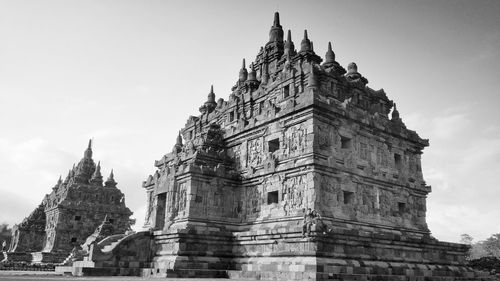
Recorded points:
(69,214)
(297,132)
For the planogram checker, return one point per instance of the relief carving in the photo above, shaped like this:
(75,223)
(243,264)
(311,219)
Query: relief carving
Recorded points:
(295,140)
(293,191)
(255,152)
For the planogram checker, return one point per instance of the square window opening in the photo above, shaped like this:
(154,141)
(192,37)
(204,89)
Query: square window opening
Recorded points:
(272,197)
(73,239)
(286,91)
(397,160)
(273,145)
(401,207)
(348,197)
(78,218)
(345,142)
(111,220)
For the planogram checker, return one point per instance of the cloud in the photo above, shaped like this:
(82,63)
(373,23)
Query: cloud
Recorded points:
(22,162)
(139,215)
(448,126)
(461,164)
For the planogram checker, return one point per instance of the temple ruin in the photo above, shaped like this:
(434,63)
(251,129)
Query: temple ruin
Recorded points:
(69,214)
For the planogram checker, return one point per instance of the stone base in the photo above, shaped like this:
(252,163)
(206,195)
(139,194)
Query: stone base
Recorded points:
(35,257)
(41,257)
(281,253)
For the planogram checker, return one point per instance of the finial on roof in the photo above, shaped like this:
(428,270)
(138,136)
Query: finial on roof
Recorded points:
(110,182)
(264,77)
(352,68)
(276,32)
(88,151)
(243,72)
(305,45)
(276,19)
(330,55)
(289,47)
(179,139)
(211,95)
(395,113)
(96,176)
(252,75)
(354,75)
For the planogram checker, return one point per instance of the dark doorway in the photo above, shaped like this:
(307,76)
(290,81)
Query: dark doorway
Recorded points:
(161,204)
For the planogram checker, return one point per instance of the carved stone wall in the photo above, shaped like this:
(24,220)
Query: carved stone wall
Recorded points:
(73,210)
(295,133)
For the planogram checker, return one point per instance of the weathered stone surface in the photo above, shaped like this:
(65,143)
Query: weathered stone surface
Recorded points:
(229,199)
(70,213)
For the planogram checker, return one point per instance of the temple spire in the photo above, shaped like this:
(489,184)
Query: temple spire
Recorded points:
(211,95)
(330,55)
(210,104)
(179,139)
(110,182)
(395,113)
(305,45)
(243,72)
(276,32)
(97,177)
(88,151)
(252,76)
(354,75)
(276,19)
(289,47)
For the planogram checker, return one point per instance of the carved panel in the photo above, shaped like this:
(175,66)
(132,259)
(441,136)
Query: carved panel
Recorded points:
(295,140)
(255,152)
(293,190)
(181,197)
(326,137)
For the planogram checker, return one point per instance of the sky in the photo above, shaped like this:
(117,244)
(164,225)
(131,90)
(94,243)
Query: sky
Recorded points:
(129,73)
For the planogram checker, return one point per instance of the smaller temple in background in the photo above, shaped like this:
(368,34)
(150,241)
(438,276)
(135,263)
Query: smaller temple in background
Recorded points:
(74,209)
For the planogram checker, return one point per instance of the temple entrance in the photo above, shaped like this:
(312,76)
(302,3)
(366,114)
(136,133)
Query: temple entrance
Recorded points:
(161,204)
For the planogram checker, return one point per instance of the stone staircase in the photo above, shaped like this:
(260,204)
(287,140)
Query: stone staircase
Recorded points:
(67,260)
(109,243)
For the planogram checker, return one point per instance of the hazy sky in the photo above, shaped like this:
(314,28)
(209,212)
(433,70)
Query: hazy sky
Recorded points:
(129,73)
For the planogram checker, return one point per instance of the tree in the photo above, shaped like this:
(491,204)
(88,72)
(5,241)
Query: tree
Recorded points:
(466,239)
(5,233)
(492,245)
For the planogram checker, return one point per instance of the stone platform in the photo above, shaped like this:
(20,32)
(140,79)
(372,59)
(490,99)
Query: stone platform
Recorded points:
(283,254)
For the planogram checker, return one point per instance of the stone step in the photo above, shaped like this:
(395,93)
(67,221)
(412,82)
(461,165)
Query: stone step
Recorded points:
(268,275)
(198,273)
(111,271)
